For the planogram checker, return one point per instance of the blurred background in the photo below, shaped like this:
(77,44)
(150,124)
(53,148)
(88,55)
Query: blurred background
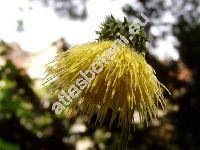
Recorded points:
(33,31)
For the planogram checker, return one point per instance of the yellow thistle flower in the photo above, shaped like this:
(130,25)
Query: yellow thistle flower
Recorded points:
(125,84)
(107,75)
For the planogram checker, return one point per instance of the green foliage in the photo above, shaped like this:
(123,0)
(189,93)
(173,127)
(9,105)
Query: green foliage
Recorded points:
(4,145)
(4,48)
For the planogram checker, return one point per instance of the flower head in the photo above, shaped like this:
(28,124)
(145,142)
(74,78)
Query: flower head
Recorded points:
(108,75)
(121,81)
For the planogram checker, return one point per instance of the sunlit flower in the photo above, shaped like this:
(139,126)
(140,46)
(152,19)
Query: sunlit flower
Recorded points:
(98,78)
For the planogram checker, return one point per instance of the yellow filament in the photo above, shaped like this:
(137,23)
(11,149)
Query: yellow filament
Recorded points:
(125,85)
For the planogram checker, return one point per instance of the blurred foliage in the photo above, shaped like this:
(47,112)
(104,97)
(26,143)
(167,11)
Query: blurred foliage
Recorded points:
(75,9)
(155,10)
(4,48)
(27,122)
(8,146)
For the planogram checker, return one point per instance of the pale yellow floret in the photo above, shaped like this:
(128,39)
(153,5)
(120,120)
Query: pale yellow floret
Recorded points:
(125,85)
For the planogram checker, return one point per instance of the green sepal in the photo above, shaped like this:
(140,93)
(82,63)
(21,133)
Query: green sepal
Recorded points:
(110,28)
